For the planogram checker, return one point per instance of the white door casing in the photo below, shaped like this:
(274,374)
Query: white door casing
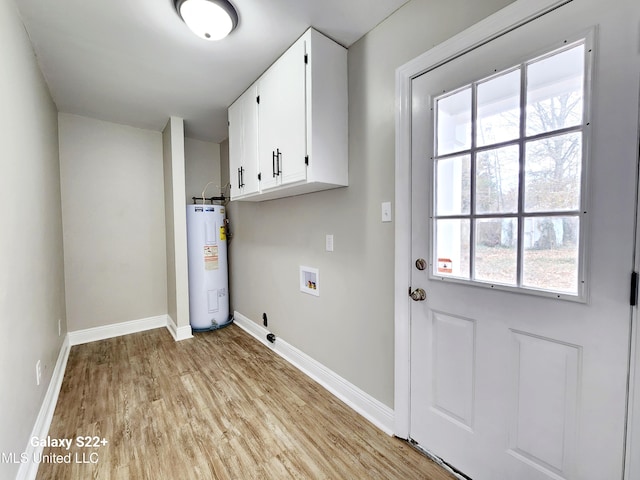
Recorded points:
(588,410)
(632,463)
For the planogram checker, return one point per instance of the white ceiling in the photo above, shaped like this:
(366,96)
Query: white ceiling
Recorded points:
(135,62)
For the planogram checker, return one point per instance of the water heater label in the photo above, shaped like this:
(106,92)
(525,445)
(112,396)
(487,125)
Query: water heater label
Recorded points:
(211,257)
(223,233)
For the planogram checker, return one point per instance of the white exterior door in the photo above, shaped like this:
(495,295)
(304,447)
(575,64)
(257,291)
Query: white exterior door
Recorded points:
(523,178)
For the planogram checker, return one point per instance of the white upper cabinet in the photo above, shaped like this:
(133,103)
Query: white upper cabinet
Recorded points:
(243,144)
(301,133)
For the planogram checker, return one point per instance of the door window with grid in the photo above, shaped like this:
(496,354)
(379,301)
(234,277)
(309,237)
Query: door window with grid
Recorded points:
(509,166)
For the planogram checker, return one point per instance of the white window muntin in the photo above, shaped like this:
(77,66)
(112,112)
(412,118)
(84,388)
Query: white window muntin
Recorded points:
(521,216)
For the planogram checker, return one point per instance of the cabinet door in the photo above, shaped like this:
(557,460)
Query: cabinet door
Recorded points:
(292,112)
(243,144)
(268,119)
(236,147)
(249,172)
(282,120)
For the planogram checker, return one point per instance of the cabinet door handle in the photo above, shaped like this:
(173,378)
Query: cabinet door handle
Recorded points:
(273,158)
(239,179)
(242,176)
(279,159)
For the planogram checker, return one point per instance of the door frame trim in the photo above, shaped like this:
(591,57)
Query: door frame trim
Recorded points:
(632,463)
(498,24)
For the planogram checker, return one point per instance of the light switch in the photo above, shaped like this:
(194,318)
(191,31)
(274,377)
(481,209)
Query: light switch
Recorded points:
(386,211)
(329,243)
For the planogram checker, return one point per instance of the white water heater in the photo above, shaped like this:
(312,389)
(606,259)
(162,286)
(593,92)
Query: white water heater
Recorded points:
(208,271)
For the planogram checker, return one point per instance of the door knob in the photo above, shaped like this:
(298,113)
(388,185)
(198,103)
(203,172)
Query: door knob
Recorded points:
(418,295)
(421,264)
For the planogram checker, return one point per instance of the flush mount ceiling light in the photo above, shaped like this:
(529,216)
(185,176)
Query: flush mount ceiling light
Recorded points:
(209,19)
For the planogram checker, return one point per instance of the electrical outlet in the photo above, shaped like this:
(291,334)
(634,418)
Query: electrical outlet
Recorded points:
(38,372)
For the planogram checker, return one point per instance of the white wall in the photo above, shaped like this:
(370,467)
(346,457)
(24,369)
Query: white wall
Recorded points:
(31,265)
(349,328)
(113,215)
(202,165)
(173,155)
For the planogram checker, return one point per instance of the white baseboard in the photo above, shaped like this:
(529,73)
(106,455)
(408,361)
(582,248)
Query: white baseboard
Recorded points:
(115,330)
(178,333)
(29,469)
(376,412)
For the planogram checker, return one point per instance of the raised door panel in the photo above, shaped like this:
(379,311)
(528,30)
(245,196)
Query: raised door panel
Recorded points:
(545,400)
(453,364)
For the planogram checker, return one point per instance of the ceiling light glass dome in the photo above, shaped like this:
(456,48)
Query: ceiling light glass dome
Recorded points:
(209,19)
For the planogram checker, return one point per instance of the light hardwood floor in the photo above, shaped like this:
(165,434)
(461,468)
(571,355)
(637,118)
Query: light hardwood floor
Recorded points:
(218,406)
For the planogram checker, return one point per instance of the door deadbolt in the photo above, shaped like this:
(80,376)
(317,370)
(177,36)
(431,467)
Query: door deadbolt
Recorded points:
(421,264)
(418,295)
